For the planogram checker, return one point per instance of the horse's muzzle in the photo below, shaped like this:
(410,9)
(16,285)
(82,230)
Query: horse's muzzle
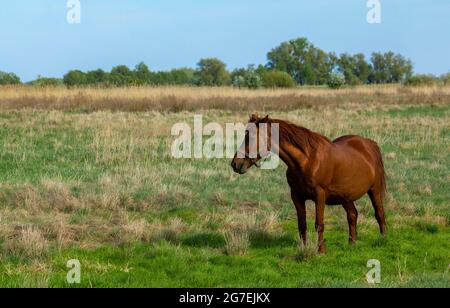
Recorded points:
(238,167)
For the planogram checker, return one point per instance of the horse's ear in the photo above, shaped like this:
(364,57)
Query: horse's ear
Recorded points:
(266,119)
(254,118)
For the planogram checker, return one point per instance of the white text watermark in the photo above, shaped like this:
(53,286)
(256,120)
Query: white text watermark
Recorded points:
(73,11)
(74,273)
(373,276)
(222,142)
(374,13)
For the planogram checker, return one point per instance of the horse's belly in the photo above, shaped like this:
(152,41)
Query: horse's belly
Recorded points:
(336,199)
(351,180)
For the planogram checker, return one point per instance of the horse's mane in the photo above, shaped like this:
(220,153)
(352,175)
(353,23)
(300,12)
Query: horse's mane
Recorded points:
(301,137)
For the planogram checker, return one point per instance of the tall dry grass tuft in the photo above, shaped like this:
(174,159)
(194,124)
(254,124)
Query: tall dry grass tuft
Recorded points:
(58,196)
(28,197)
(237,242)
(28,242)
(168,230)
(243,226)
(310,250)
(137,231)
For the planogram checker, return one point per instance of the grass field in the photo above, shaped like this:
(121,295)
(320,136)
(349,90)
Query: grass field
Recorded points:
(88,175)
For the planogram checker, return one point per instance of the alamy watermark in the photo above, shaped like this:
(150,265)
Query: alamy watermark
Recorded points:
(374,13)
(74,273)
(373,276)
(73,11)
(222,142)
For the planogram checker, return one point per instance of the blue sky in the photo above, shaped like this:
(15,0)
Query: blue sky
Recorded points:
(36,38)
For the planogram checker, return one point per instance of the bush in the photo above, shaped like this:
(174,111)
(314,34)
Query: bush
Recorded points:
(239,82)
(277,79)
(445,79)
(253,80)
(247,78)
(212,72)
(336,81)
(421,80)
(47,82)
(8,79)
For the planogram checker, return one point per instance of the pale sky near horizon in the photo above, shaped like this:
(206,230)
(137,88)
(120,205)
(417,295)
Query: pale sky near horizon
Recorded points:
(36,38)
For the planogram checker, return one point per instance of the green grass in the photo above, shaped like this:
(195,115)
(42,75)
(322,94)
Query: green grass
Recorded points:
(413,261)
(102,188)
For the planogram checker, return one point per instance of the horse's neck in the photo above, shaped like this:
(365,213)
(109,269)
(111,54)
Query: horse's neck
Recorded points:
(294,156)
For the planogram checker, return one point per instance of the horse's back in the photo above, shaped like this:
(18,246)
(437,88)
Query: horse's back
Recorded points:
(366,147)
(355,170)
(349,139)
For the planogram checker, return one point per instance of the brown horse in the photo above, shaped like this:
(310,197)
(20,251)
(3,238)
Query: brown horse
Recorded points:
(326,172)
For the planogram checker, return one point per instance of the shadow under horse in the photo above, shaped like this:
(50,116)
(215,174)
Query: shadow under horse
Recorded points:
(326,172)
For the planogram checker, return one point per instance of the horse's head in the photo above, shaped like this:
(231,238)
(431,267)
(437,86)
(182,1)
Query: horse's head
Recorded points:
(255,145)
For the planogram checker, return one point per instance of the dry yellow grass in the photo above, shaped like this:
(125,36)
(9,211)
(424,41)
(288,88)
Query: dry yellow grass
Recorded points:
(26,242)
(195,98)
(241,226)
(308,251)
(16,92)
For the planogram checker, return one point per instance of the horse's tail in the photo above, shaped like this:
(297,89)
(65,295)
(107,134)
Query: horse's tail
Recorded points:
(380,173)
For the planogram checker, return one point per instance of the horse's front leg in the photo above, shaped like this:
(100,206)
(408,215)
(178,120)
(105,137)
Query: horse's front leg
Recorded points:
(320,213)
(300,206)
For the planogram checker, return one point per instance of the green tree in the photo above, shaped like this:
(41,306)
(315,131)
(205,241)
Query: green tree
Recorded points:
(183,76)
(363,68)
(390,68)
(9,79)
(162,78)
(75,78)
(355,68)
(121,75)
(299,58)
(238,77)
(322,65)
(285,58)
(402,68)
(97,77)
(142,74)
(212,72)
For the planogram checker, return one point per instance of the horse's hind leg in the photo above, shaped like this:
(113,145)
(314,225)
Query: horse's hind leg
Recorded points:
(377,202)
(352,218)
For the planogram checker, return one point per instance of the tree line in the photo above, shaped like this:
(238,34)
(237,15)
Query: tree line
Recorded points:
(292,63)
